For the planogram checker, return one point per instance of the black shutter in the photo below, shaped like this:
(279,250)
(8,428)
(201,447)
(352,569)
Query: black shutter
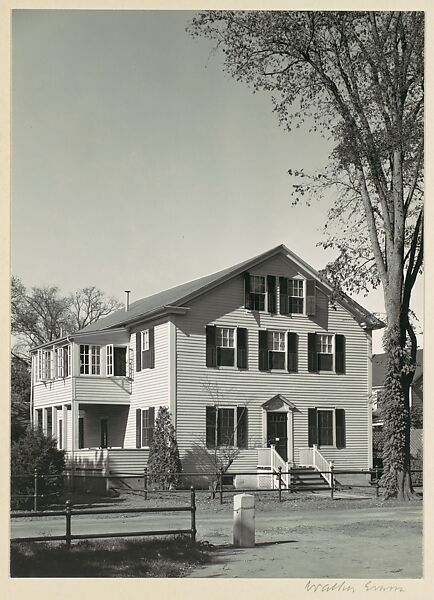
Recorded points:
(263,351)
(151,423)
(138,428)
(211,422)
(340,428)
(241,348)
(310,297)
(312,425)
(312,356)
(283,289)
(271,290)
(292,352)
(340,353)
(247,298)
(211,352)
(138,351)
(242,424)
(151,348)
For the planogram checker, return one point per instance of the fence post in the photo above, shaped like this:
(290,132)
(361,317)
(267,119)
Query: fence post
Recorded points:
(280,484)
(377,487)
(68,515)
(221,484)
(332,480)
(145,483)
(193,514)
(35,490)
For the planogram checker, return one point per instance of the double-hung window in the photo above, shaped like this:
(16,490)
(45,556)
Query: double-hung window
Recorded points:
(226,426)
(145,340)
(277,349)
(225,343)
(296,296)
(326,427)
(90,359)
(257,292)
(144,426)
(325,352)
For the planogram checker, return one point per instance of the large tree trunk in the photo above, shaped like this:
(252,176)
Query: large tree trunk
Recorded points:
(394,401)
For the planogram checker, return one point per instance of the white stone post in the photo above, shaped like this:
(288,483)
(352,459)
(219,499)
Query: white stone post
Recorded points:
(244,521)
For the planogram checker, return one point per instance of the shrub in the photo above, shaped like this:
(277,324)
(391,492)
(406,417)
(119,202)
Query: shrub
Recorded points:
(164,463)
(34,450)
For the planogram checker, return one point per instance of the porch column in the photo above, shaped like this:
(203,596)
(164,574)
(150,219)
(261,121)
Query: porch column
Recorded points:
(74,426)
(65,425)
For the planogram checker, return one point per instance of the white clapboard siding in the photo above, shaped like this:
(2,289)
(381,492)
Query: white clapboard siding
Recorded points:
(128,461)
(53,392)
(225,306)
(102,389)
(150,386)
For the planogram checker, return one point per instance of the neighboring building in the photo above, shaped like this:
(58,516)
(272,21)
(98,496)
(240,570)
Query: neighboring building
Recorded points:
(379,363)
(258,354)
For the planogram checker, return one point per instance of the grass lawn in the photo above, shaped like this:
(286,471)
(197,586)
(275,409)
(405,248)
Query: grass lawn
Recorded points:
(170,557)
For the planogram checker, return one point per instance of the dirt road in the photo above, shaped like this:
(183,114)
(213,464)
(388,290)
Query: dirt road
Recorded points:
(368,543)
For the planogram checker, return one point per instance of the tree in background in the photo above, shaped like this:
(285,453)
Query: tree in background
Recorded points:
(40,315)
(164,463)
(358,77)
(20,397)
(33,451)
(43,314)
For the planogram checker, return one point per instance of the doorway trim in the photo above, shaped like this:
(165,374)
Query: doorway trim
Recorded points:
(279,403)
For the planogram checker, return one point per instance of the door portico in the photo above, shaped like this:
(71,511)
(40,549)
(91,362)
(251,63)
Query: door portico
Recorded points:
(278,426)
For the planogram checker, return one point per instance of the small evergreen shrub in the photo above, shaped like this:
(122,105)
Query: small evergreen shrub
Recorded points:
(34,450)
(164,464)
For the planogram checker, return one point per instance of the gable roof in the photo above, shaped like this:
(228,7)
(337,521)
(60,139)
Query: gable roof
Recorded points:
(379,364)
(179,295)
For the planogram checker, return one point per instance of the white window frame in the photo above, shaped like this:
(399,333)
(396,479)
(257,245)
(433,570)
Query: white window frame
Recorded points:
(109,360)
(235,432)
(144,338)
(264,277)
(45,373)
(233,347)
(91,352)
(60,366)
(280,332)
(333,354)
(303,297)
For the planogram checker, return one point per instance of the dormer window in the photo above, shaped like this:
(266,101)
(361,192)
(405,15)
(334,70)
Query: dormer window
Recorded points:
(257,292)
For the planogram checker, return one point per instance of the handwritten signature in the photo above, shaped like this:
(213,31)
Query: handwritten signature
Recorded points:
(343,586)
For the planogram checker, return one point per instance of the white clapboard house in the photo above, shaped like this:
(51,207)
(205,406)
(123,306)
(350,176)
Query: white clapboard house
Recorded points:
(260,357)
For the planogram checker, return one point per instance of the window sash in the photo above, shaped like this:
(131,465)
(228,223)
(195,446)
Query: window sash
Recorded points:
(325,427)
(257,284)
(45,369)
(225,337)
(90,359)
(145,340)
(226,427)
(109,360)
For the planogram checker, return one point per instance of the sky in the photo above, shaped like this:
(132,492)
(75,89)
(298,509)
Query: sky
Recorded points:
(138,164)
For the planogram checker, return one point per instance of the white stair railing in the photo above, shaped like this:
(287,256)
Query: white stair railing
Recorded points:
(312,457)
(270,459)
(321,464)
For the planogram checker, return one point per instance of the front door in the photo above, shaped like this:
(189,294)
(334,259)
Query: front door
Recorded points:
(277,432)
